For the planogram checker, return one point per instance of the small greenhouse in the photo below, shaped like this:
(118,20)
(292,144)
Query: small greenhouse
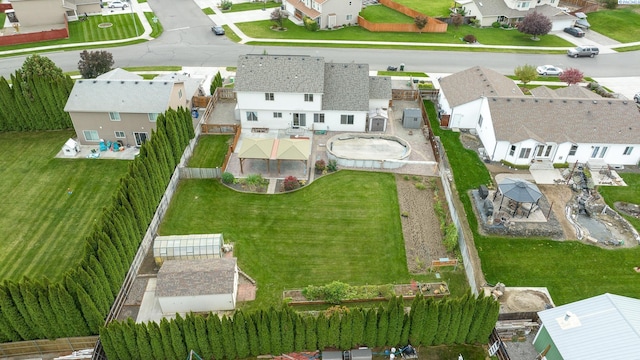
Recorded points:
(181,247)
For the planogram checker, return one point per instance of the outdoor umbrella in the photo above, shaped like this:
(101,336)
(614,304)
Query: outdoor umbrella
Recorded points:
(520,191)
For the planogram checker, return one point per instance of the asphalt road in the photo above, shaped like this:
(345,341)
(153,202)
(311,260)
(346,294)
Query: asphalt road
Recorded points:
(188,41)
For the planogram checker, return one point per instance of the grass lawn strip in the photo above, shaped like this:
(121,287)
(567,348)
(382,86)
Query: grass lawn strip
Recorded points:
(344,227)
(629,193)
(254,5)
(43,227)
(210,151)
(570,270)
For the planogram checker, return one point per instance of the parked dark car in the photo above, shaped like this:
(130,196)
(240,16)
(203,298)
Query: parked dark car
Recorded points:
(574,31)
(636,98)
(218,30)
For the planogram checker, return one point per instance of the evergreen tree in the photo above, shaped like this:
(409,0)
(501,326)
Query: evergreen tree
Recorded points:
(418,320)
(177,338)
(42,293)
(143,342)
(18,301)
(62,324)
(286,331)
(489,319)
(358,326)
(107,343)
(311,333)
(155,340)
(476,323)
(190,335)
(396,316)
(110,269)
(93,288)
(30,297)
(117,335)
(228,340)
(263,332)
(202,338)
(252,335)
(240,334)
(454,324)
(383,327)
(323,331)
(274,332)
(430,322)
(101,276)
(214,331)
(371,328)
(129,333)
(334,330)
(94,319)
(346,331)
(165,333)
(300,342)
(406,328)
(468,302)
(444,319)
(12,315)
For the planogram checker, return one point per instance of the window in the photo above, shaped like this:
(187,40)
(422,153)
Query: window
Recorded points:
(180,94)
(277,115)
(595,151)
(512,150)
(349,17)
(480,121)
(628,150)
(153,117)
(252,116)
(573,150)
(299,119)
(603,152)
(114,116)
(268,96)
(346,119)
(308,97)
(120,134)
(318,118)
(91,135)
(525,153)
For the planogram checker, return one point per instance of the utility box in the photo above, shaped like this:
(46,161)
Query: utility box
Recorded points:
(332,355)
(412,119)
(361,354)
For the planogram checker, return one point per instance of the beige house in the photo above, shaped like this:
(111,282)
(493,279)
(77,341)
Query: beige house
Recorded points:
(513,11)
(327,13)
(49,14)
(122,106)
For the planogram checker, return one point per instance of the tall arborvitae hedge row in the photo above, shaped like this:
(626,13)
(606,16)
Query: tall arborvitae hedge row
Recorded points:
(276,331)
(78,304)
(36,103)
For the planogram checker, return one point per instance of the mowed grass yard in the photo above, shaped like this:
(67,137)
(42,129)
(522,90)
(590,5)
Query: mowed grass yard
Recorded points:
(569,269)
(210,151)
(383,14)
(42,227)
(345,226)
(487,36)
(435,8)
(619,24)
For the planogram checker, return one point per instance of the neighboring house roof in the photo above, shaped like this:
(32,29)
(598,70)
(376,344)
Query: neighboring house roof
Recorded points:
(604,121)
(196,277)
(300,6)
(500,8)
(468,85)
(543,92)
(578,92)
(288,74)
(602,327)
(379,87)
(191,84)
(119,74)
(118,92)
(346,87)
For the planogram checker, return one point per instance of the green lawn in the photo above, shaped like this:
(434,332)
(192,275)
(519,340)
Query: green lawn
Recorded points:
(488,36)
(402,73)
(619,24)
(629,193)
(210,151)
(436,8)
(383,14)
(344,226)
(252,6)
(570,270)
(43,228)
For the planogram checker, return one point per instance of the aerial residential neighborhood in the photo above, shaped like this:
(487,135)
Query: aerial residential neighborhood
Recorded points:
(319,179)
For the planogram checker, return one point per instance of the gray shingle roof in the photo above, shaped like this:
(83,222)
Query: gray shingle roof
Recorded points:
(604,121)
(543,92)
(468,85)
(119,74)
(500,8)
(196,277)
(606,326)
(280,73)
(346,87)
(576,92)
(379,87)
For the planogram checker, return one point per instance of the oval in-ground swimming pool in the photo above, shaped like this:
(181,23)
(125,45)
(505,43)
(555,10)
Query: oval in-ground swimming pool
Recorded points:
(377,151)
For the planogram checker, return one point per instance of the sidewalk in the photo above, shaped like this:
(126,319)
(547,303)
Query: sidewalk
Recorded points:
(605,44)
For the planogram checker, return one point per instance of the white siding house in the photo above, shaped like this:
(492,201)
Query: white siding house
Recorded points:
(281,92)
(566,125)
(201,285)
(513,11)
(327,13)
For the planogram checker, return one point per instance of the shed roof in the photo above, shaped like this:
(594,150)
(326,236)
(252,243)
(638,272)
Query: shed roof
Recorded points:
(605,121)
(470,84)
(280,73)
(606,326)
(196,277)
(346,87)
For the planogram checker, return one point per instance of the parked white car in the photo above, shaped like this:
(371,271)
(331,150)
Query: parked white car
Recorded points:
(117,4)
(549,70)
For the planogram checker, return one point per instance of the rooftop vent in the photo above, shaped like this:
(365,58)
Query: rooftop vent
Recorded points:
(595,102)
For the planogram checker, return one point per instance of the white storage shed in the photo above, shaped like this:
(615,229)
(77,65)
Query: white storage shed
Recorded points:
(71,148)
(182,247)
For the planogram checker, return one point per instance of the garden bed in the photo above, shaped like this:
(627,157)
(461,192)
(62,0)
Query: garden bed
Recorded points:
(407,291)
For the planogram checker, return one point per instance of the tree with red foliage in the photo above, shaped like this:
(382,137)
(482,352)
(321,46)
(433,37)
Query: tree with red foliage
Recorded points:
(535,24)
(571,76)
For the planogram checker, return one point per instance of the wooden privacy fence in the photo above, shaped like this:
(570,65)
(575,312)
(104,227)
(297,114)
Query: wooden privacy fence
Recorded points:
(199,173)
(433,24)
(61,346)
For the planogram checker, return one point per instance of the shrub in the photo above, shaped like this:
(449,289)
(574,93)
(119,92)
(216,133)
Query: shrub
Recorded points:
(470,38)
(291,183)
(321,165)
(255,181)
(228,177)
(450,237)
(225,4)
(310,24)
(420,186)
(332,166)
(495,25)
(335,291)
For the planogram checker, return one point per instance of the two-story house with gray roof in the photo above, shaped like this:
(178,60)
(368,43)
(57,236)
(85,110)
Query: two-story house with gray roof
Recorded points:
(554,126)
(327,13)
(122,106)
(512,11)
(281,92)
